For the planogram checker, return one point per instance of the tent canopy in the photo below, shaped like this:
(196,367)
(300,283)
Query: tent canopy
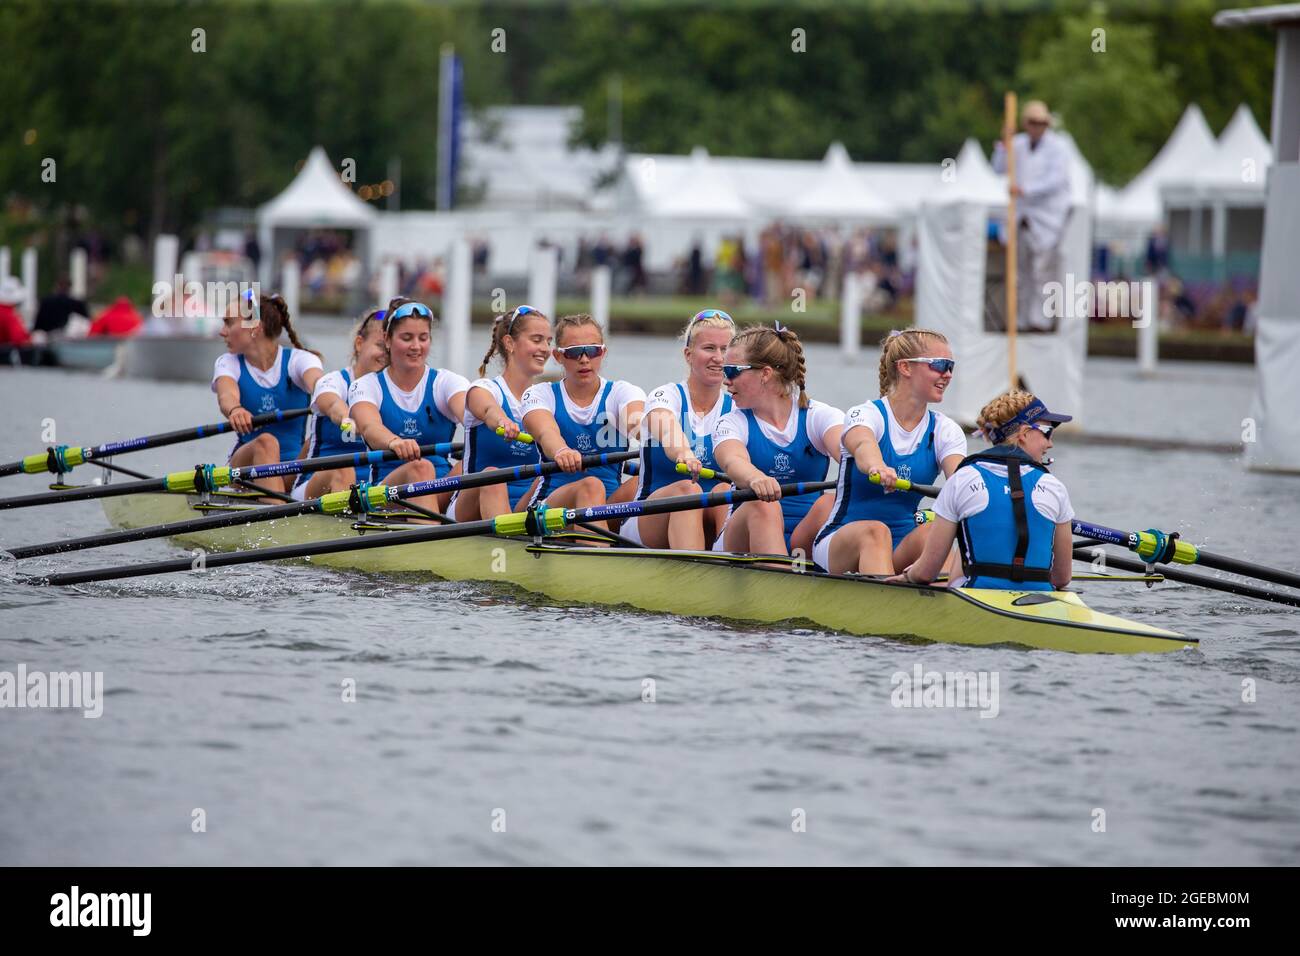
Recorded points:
(840,193)
(1189,147)
(697,189)
(1236,169)
(316,199)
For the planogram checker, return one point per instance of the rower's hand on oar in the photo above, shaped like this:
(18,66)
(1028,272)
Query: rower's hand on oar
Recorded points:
(407,449)
(241,420)
(508,430)
(568,460)
(766,488)
(693,466)
(888,477)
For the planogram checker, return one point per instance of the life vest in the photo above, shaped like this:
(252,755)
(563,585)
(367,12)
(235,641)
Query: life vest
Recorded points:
(1008,545)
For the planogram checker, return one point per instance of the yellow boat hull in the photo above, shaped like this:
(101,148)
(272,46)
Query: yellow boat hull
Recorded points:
(696,584)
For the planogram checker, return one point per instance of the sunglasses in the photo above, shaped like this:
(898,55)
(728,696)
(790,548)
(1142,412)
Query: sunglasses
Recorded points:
(732,372)
(940,365)
(575,352)
(521,310)
(711,314)
(402,311)
(1045,429)
(255,306)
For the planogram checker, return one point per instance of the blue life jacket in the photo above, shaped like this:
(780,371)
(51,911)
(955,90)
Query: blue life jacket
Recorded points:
(659,471)
(426,425)
(1008,545)
(798,461)
(586,440)
(858,499)
(283,396)
(484,448)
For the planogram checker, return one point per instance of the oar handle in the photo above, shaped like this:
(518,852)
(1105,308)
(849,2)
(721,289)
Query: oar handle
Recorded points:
(495,476)
(902,484)
(708,474)
(524,437)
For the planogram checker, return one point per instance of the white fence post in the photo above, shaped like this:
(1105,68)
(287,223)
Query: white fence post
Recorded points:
(77,265)
(602,281)
(456,306)
(29,285)
(543,269)
(850,316)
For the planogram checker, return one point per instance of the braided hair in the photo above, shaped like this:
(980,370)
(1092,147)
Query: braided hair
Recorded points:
(502,326)
(779,348)
(275,319)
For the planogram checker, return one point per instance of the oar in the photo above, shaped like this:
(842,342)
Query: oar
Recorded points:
(202,478)
(60,459)
(1173,574)
(1157,547)
(355,500)
(538,522)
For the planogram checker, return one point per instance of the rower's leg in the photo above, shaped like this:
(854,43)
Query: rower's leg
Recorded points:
(324,482)
(910,548)
(583,493)
(262,450)
(757,527)
(715,518)
(421,469)
(801,539)
(681,530)
(864,547)
(444,499)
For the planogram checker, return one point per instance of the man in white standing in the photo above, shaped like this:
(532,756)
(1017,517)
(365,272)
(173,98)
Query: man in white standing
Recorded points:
(1042,191)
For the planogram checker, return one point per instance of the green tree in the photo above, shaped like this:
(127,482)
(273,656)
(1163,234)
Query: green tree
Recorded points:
(1101,78)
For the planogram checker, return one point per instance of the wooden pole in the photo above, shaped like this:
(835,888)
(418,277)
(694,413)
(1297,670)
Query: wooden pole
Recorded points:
(1008,131)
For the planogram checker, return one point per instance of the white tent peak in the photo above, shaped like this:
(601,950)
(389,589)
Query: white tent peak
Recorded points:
(840,192)
(837,155)
(1189,147)
(971,180)
(698,190)
(317,197)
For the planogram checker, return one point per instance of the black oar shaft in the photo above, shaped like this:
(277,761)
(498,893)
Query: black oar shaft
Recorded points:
(333,546)
(163,438)
(1247,569)
(1174,574)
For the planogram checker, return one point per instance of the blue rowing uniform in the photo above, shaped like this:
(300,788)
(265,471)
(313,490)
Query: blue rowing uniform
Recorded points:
(657,470)
(283,396)
(586,440)
(1008,545)
(427,425)
(326,438)
(484,448)
(858,499)
(798,461)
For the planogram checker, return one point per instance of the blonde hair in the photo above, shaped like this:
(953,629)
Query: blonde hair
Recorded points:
(902,345)
(360,330)
(572,322)
(778,348)
(1001,410)
(502,326)
(715,321)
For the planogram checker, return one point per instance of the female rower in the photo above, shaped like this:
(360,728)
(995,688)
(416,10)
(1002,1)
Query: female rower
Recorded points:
(329,429)
(409,404)
(584,414)
(1010,517)
(523,340)
(872,528)
(772,438)
(258,375)
(678,429)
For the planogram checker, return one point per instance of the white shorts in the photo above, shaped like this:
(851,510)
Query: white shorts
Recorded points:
(630,530)
(451,507)
(821,552)
(299,492)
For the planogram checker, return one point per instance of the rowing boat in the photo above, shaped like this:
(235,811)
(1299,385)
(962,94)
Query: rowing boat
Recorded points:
(685,583)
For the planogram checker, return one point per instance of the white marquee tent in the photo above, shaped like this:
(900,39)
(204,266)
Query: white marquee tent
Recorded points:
(316,199)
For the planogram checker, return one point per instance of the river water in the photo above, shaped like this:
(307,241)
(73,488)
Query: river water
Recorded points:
(492,727)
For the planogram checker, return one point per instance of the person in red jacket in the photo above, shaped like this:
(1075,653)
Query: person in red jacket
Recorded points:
(120,318)
(13,332)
